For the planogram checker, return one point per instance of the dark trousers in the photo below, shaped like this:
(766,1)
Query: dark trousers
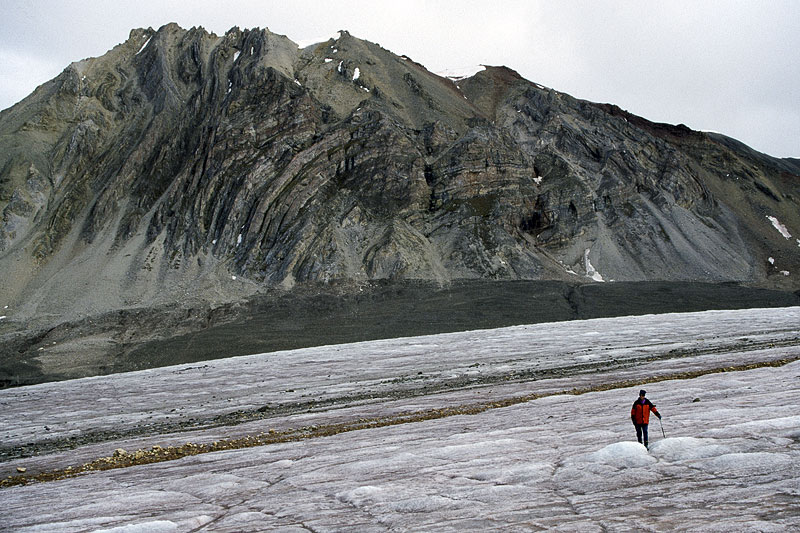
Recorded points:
(641,430)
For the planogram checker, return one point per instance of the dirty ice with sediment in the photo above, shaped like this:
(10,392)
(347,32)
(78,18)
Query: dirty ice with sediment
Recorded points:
(727,460)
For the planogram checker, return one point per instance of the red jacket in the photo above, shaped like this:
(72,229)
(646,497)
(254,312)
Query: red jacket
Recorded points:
(640,412)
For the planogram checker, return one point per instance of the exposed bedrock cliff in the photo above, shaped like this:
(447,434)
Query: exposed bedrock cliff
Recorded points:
(182,164)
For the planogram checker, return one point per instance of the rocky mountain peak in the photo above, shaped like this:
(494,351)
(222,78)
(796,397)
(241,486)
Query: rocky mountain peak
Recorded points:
(182,164)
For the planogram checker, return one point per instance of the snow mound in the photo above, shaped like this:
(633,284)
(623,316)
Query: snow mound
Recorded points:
(209,486)
(687,449)
(518,475)
(157,526)
(367,496)
(781,426)
(423,504)
(748,463)
(361,496)
(466,451)
(740,525)
(622,455)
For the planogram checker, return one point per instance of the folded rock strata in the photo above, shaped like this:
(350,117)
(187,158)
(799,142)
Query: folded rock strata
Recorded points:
(182,164)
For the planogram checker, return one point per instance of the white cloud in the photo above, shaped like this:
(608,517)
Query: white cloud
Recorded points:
(713,65)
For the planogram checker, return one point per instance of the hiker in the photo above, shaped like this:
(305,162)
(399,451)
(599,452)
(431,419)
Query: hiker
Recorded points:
(640,416)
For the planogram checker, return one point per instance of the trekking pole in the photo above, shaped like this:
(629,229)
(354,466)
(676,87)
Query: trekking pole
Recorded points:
(662,428)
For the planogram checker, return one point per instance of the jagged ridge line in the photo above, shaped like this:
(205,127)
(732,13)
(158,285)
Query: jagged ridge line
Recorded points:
(157,454)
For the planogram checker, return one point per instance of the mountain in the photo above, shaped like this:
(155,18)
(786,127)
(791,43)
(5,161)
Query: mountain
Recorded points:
(186,167)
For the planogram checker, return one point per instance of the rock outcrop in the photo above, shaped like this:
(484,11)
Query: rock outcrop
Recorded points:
(186,165)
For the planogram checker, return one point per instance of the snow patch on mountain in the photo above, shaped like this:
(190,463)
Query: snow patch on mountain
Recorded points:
(155,526)
(780,227)
(591,271)
(620,454)
(144,45)
(460,73)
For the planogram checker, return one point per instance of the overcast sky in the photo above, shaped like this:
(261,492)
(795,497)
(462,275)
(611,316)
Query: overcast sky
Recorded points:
(728,66)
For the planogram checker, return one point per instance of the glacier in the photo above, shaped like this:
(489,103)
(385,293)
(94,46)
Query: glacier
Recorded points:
(562,456)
